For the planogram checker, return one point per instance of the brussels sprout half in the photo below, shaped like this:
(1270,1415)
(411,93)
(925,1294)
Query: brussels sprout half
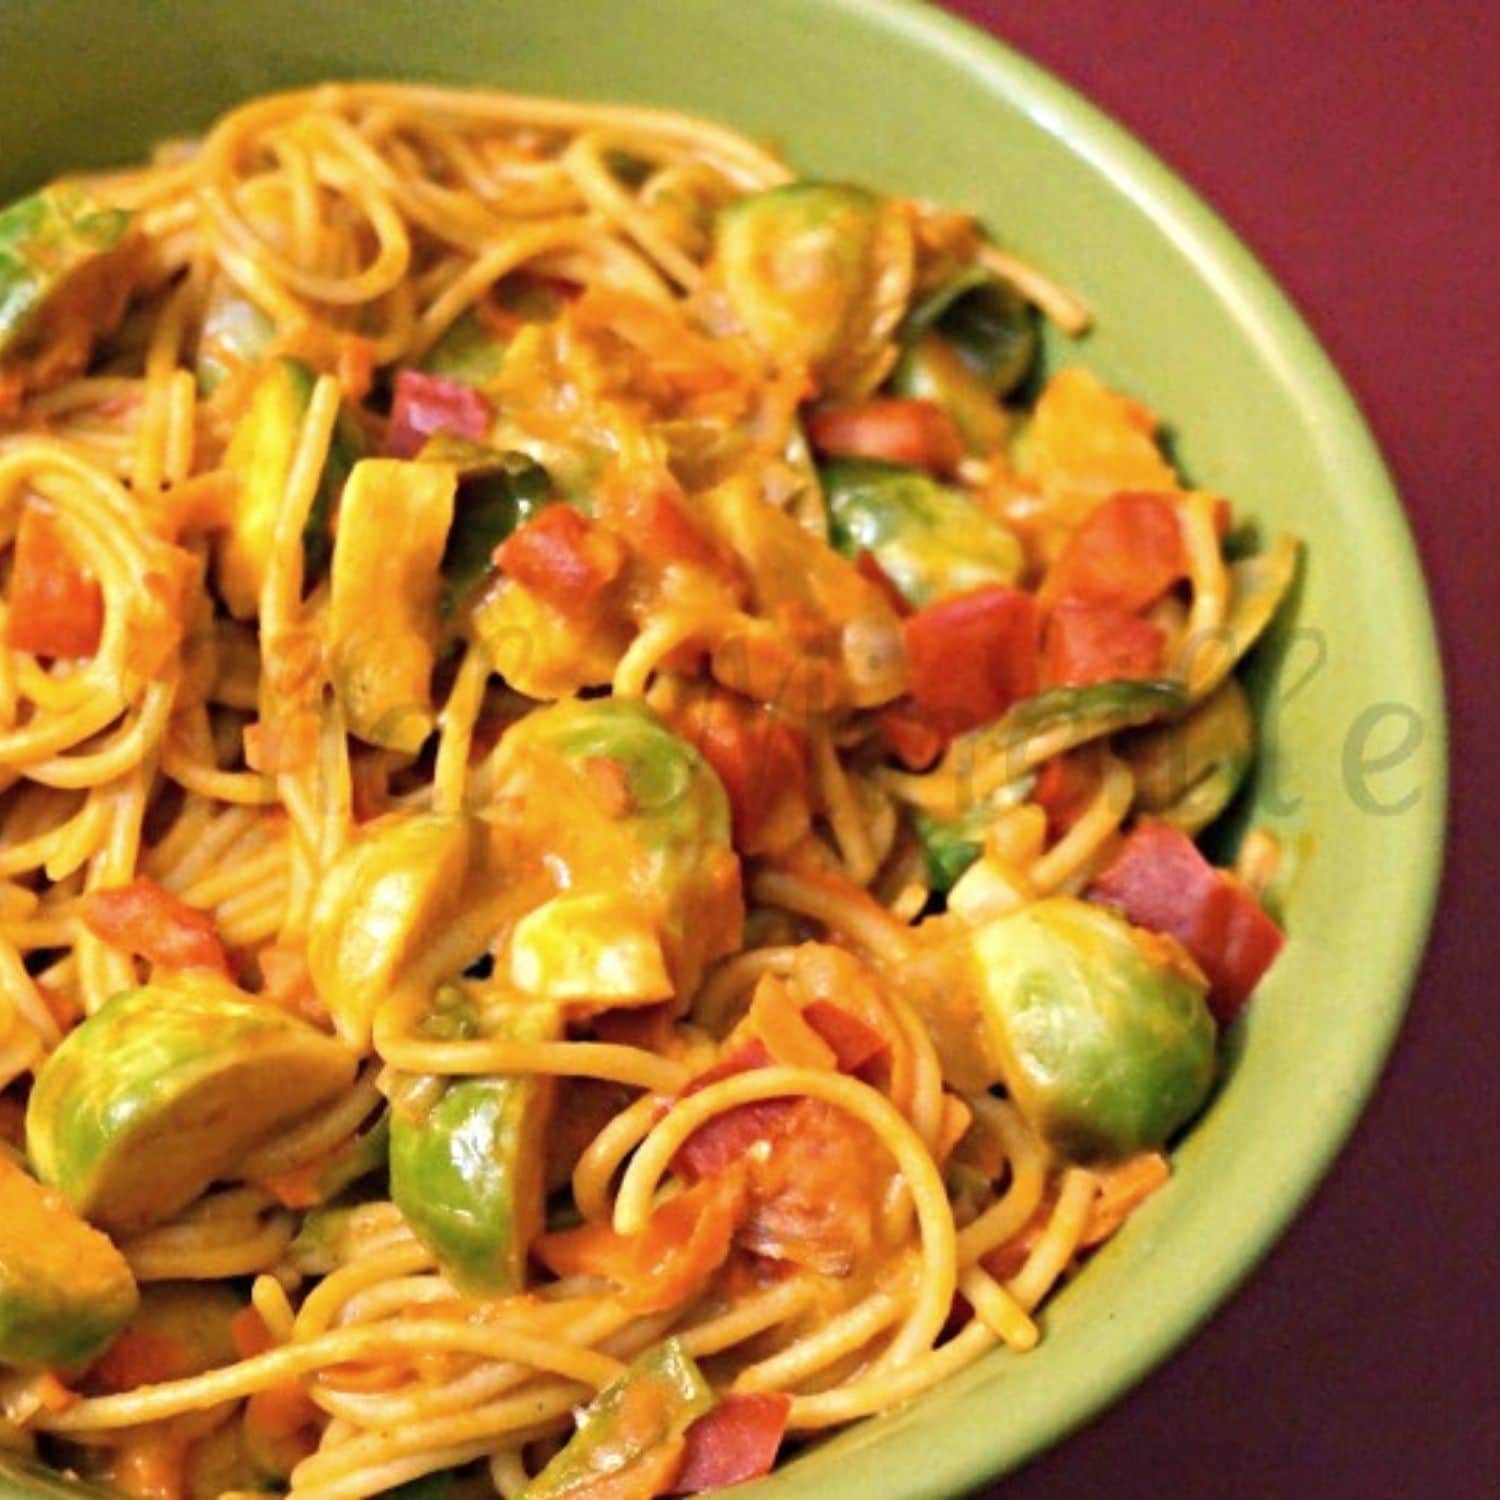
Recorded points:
(164,1089)
(65,1291)
(383,612)
(260,453)
(930,541)
(466,1173)
(65,268)
(636,825)
(1258,585)
(384,897)
(497,492)
(1186,773)
(991,327)
(818,274)
(1100,1030)
(654,1402)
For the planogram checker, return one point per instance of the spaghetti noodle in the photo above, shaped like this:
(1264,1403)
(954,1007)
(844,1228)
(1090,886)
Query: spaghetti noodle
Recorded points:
(578,826)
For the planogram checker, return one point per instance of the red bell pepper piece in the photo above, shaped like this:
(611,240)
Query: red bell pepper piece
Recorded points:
(972,656)
(56,607)
(1097,643)
(1159,880)
(899,430)
(914,740)
(425,404)
(562,558)
(1065,785)
(1126,554)
(734,1442)
(143,918)
(854,1042)
(762,761)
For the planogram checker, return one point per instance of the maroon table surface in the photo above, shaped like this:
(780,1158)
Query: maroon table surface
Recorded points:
(1355,145)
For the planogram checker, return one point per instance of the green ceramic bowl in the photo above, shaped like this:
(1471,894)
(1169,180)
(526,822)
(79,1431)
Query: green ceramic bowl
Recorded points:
(1353,770)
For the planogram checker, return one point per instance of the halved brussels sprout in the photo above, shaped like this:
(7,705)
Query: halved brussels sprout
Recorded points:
(466,1172)
(1057,720)
(931,370)
(819,274)
(930,541)
(599,798)
(470,352)
(383,616)
(1187,773)
(65,1291)
(386,895)
(1100,1030)
(66,263)
(652,1404)
(1257,586)
(497,492)
(991,327)
(260,452)
(164,1089)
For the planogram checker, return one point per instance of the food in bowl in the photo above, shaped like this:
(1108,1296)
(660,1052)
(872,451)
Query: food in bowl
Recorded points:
(602,792)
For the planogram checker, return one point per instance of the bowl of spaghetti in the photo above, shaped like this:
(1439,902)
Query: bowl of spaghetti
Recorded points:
(687,705)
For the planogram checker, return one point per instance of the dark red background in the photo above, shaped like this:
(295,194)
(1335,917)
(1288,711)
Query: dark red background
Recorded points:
(1355,145)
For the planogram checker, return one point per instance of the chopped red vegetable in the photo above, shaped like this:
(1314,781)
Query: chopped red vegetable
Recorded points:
(854,1042)
(1097,643)
(972,656)
(425,404)
(897,429)
(762,761)
(56,607)
(1127,554)
(1064,787)
(913,739)
(1159,880)
(869,567)
(659,528)
(684,1242)
(562,558)
(734,1442)
(143,918)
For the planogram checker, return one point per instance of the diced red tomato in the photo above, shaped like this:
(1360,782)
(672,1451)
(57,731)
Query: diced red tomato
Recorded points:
(1160,881)
(762,761)
(868,566)
(972,656)
(659,528)
(814,1175)
(425,404)
(1127,554)
(1064,787)
(1097,643)
(55,607)
(897,429)
(562,558)
(854,1042)
(734,1442)
(915,741)
(814,1194)
(141,1356)
(143,918)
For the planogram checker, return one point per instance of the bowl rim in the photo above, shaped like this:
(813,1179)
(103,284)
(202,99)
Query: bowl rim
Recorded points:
(971,1454)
